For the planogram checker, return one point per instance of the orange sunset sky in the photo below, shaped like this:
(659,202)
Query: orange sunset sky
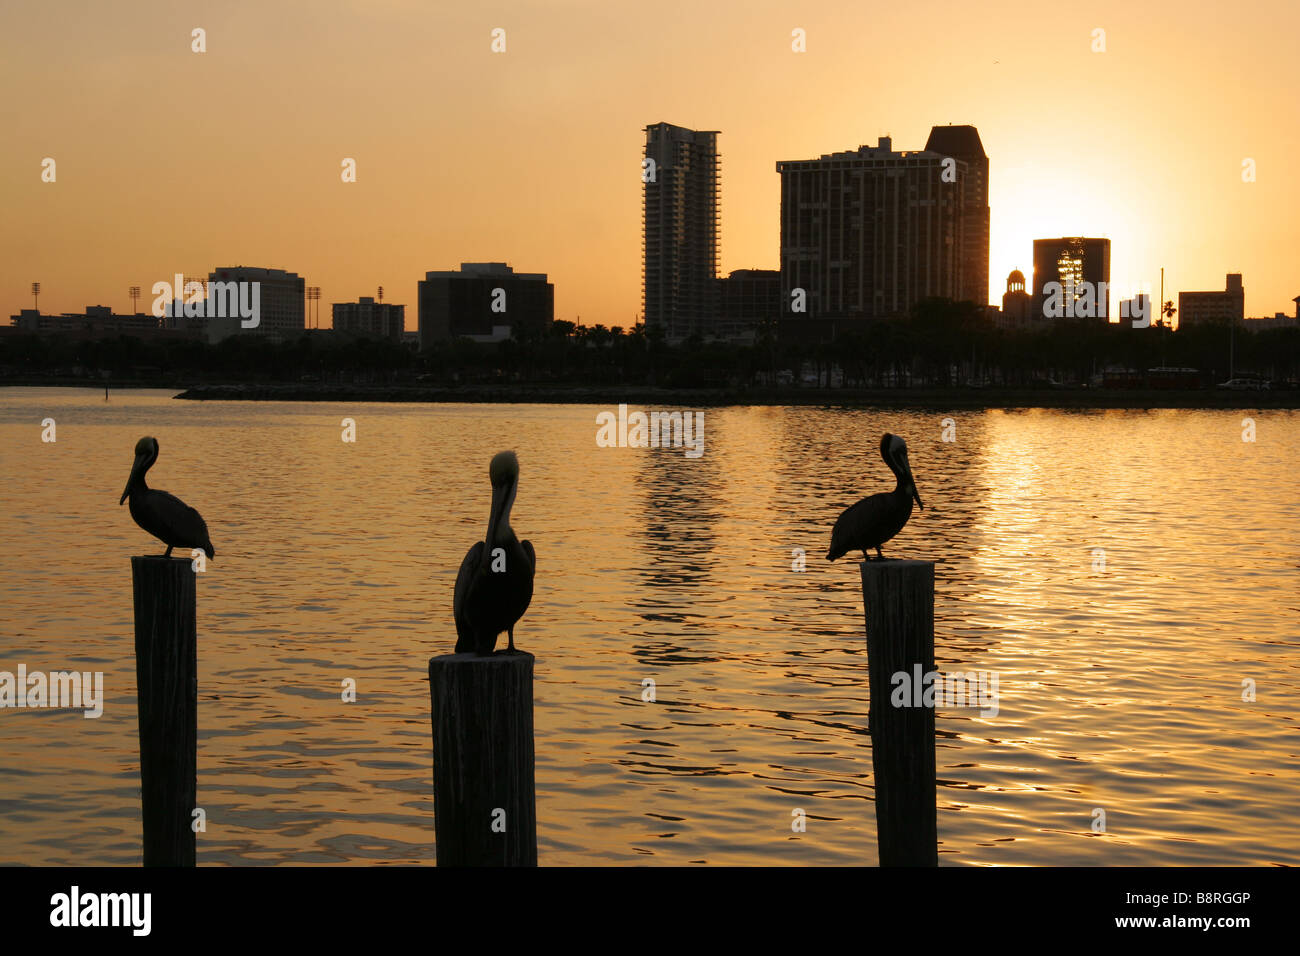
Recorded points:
(174,161)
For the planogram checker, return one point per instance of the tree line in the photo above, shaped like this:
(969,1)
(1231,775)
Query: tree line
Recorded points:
(941,343)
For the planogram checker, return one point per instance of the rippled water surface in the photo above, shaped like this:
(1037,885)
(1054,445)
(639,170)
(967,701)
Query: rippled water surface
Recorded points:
(1121,687)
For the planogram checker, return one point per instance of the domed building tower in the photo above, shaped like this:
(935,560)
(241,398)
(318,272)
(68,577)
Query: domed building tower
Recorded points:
(1016,302)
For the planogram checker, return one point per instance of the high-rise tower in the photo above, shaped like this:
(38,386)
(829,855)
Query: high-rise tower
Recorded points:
(963,143)
(869,232)
(680,175)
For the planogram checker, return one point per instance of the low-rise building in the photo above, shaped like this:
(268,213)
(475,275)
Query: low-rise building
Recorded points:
(486,301)
(369,318)
(1017,304)
(1213,308)
(95,320)
(746,298)
(1279,320)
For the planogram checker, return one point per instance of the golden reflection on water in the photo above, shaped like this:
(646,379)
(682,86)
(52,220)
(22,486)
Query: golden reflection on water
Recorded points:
(1120,686)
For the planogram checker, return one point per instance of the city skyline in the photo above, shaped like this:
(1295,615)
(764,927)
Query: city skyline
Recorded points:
(245,140)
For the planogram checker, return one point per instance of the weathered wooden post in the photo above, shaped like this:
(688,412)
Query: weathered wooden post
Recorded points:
(166,676)
(484,802)
(898,600)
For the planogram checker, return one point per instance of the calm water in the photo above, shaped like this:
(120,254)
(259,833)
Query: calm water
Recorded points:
(1121,688)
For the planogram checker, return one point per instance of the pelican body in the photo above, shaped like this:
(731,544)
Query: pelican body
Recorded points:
(495,583)
(164,516)
(874,520)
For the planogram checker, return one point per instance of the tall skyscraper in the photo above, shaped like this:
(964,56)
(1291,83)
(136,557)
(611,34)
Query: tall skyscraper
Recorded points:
(867,233)
(680,175)
(963,143)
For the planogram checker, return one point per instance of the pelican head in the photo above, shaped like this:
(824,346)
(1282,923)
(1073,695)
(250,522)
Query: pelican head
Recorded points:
(504,473)
(894,451)
(146,453)
(504,470)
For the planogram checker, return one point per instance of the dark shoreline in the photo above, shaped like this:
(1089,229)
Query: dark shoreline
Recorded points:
(649,396)
(612,395)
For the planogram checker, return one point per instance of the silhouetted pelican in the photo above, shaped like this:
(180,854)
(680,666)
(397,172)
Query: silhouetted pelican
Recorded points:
(874,520)
(164,516)
(495,582)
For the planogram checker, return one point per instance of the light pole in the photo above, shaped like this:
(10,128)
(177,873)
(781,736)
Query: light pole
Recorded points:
(135,298)
(36,295)
(1232,345)
(313,295)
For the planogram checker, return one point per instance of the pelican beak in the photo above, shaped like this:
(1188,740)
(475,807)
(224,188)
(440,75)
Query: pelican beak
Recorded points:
(135,473)
(907,470)
(499,496)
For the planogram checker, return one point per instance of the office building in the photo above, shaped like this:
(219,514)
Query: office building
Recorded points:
(1213,308)
(746,298)
(369,318)
(484,301)
(1278,320)
(1081,267)
(97,321)
(281,301)
(867,233)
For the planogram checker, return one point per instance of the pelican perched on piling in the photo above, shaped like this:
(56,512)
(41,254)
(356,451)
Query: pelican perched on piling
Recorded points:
(164,516)
(495,582)
(874,520)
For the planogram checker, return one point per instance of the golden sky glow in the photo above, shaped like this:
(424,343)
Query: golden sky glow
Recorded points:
(173,161)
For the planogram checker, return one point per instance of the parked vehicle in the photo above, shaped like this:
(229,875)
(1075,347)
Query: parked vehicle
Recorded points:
(1244,385)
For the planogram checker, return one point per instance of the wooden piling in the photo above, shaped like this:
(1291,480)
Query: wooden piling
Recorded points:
(484,802)
(166,673)
(898,601)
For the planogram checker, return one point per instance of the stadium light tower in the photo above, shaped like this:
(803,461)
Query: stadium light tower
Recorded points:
(313,295)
